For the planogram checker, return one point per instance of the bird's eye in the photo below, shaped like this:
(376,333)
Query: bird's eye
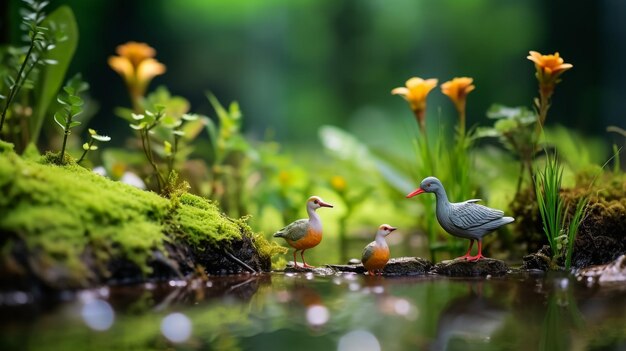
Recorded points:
(428,185)
(385,228)
(316,202)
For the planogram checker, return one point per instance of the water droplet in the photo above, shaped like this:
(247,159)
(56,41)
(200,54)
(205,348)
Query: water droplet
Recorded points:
(378,289)
(358,340)
(317,315)
(402,307)
(176,327)
(98,314)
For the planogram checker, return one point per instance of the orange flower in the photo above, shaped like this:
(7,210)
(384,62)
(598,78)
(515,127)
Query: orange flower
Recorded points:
(137,66)
(415,94)
(549,67)
(457,90)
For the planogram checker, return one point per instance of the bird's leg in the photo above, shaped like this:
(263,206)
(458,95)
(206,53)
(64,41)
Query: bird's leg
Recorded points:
(305,264)
(480,252)
(295,262)
(467,255)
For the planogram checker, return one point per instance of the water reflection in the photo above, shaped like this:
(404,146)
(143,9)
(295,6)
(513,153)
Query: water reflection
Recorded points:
(358,340)
(472,319)
(343,312)
(176,327)
(98,314)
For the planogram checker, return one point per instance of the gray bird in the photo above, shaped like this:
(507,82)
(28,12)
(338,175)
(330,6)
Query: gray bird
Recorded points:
(467,220)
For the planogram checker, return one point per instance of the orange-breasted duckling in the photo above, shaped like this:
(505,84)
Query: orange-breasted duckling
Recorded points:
(376,253)
(304,234)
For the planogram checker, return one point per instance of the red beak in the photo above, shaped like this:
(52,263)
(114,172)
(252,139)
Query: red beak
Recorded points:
(416,192)
(323,204)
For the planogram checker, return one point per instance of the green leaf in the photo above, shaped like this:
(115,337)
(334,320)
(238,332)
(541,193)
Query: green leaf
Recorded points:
(51,76)
(60,119)
(76,100)
(102,138)
(74,110)
(139,126)
(93,147)
(86,146)
(193,128)
(75,124)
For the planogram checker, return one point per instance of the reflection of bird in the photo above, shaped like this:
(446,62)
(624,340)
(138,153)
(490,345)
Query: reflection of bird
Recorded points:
(467,220)
(304,234)
(471,319)
(376,253)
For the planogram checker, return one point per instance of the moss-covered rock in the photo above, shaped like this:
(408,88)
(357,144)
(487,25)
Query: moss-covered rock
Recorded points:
(67,227)
(602,234)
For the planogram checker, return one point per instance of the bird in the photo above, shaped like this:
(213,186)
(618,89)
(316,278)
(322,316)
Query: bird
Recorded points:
(304,234)
(467,219)
(376,254)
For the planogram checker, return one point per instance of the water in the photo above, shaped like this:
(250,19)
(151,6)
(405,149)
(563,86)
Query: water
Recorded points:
(307,312)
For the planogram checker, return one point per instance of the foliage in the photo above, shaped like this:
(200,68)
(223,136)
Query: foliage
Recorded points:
(71,106)
(63,25)
(40,67)
(90,145)
(561,236)
(228,157)
(165,131)
(514,127)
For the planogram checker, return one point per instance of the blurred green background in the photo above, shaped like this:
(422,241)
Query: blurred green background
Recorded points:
(297,65)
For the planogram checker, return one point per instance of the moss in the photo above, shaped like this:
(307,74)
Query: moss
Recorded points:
(601,236)
(76,221)
(6,147)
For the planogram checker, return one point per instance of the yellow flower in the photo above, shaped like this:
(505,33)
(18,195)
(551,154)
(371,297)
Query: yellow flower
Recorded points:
(136,64)
(338,183)
(285,178)
(457,90)
(415,94)
(549,67)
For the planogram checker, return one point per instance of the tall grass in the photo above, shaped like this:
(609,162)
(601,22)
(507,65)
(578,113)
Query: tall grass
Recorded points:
(554,214)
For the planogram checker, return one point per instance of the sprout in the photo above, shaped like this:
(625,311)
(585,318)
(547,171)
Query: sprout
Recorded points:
(71,106)
(90,146)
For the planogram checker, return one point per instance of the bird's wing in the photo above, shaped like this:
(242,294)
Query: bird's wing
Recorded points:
(468,214)
(294,231)
(368,251)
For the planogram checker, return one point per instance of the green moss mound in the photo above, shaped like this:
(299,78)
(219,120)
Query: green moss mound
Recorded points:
(601,236)
(66,226)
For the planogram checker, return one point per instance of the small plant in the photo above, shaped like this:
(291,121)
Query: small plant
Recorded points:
(145,123)
(90,145)
(41,40)
(560,235)
(71,104)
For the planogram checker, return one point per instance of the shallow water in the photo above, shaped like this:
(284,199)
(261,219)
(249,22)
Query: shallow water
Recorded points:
(306,312)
